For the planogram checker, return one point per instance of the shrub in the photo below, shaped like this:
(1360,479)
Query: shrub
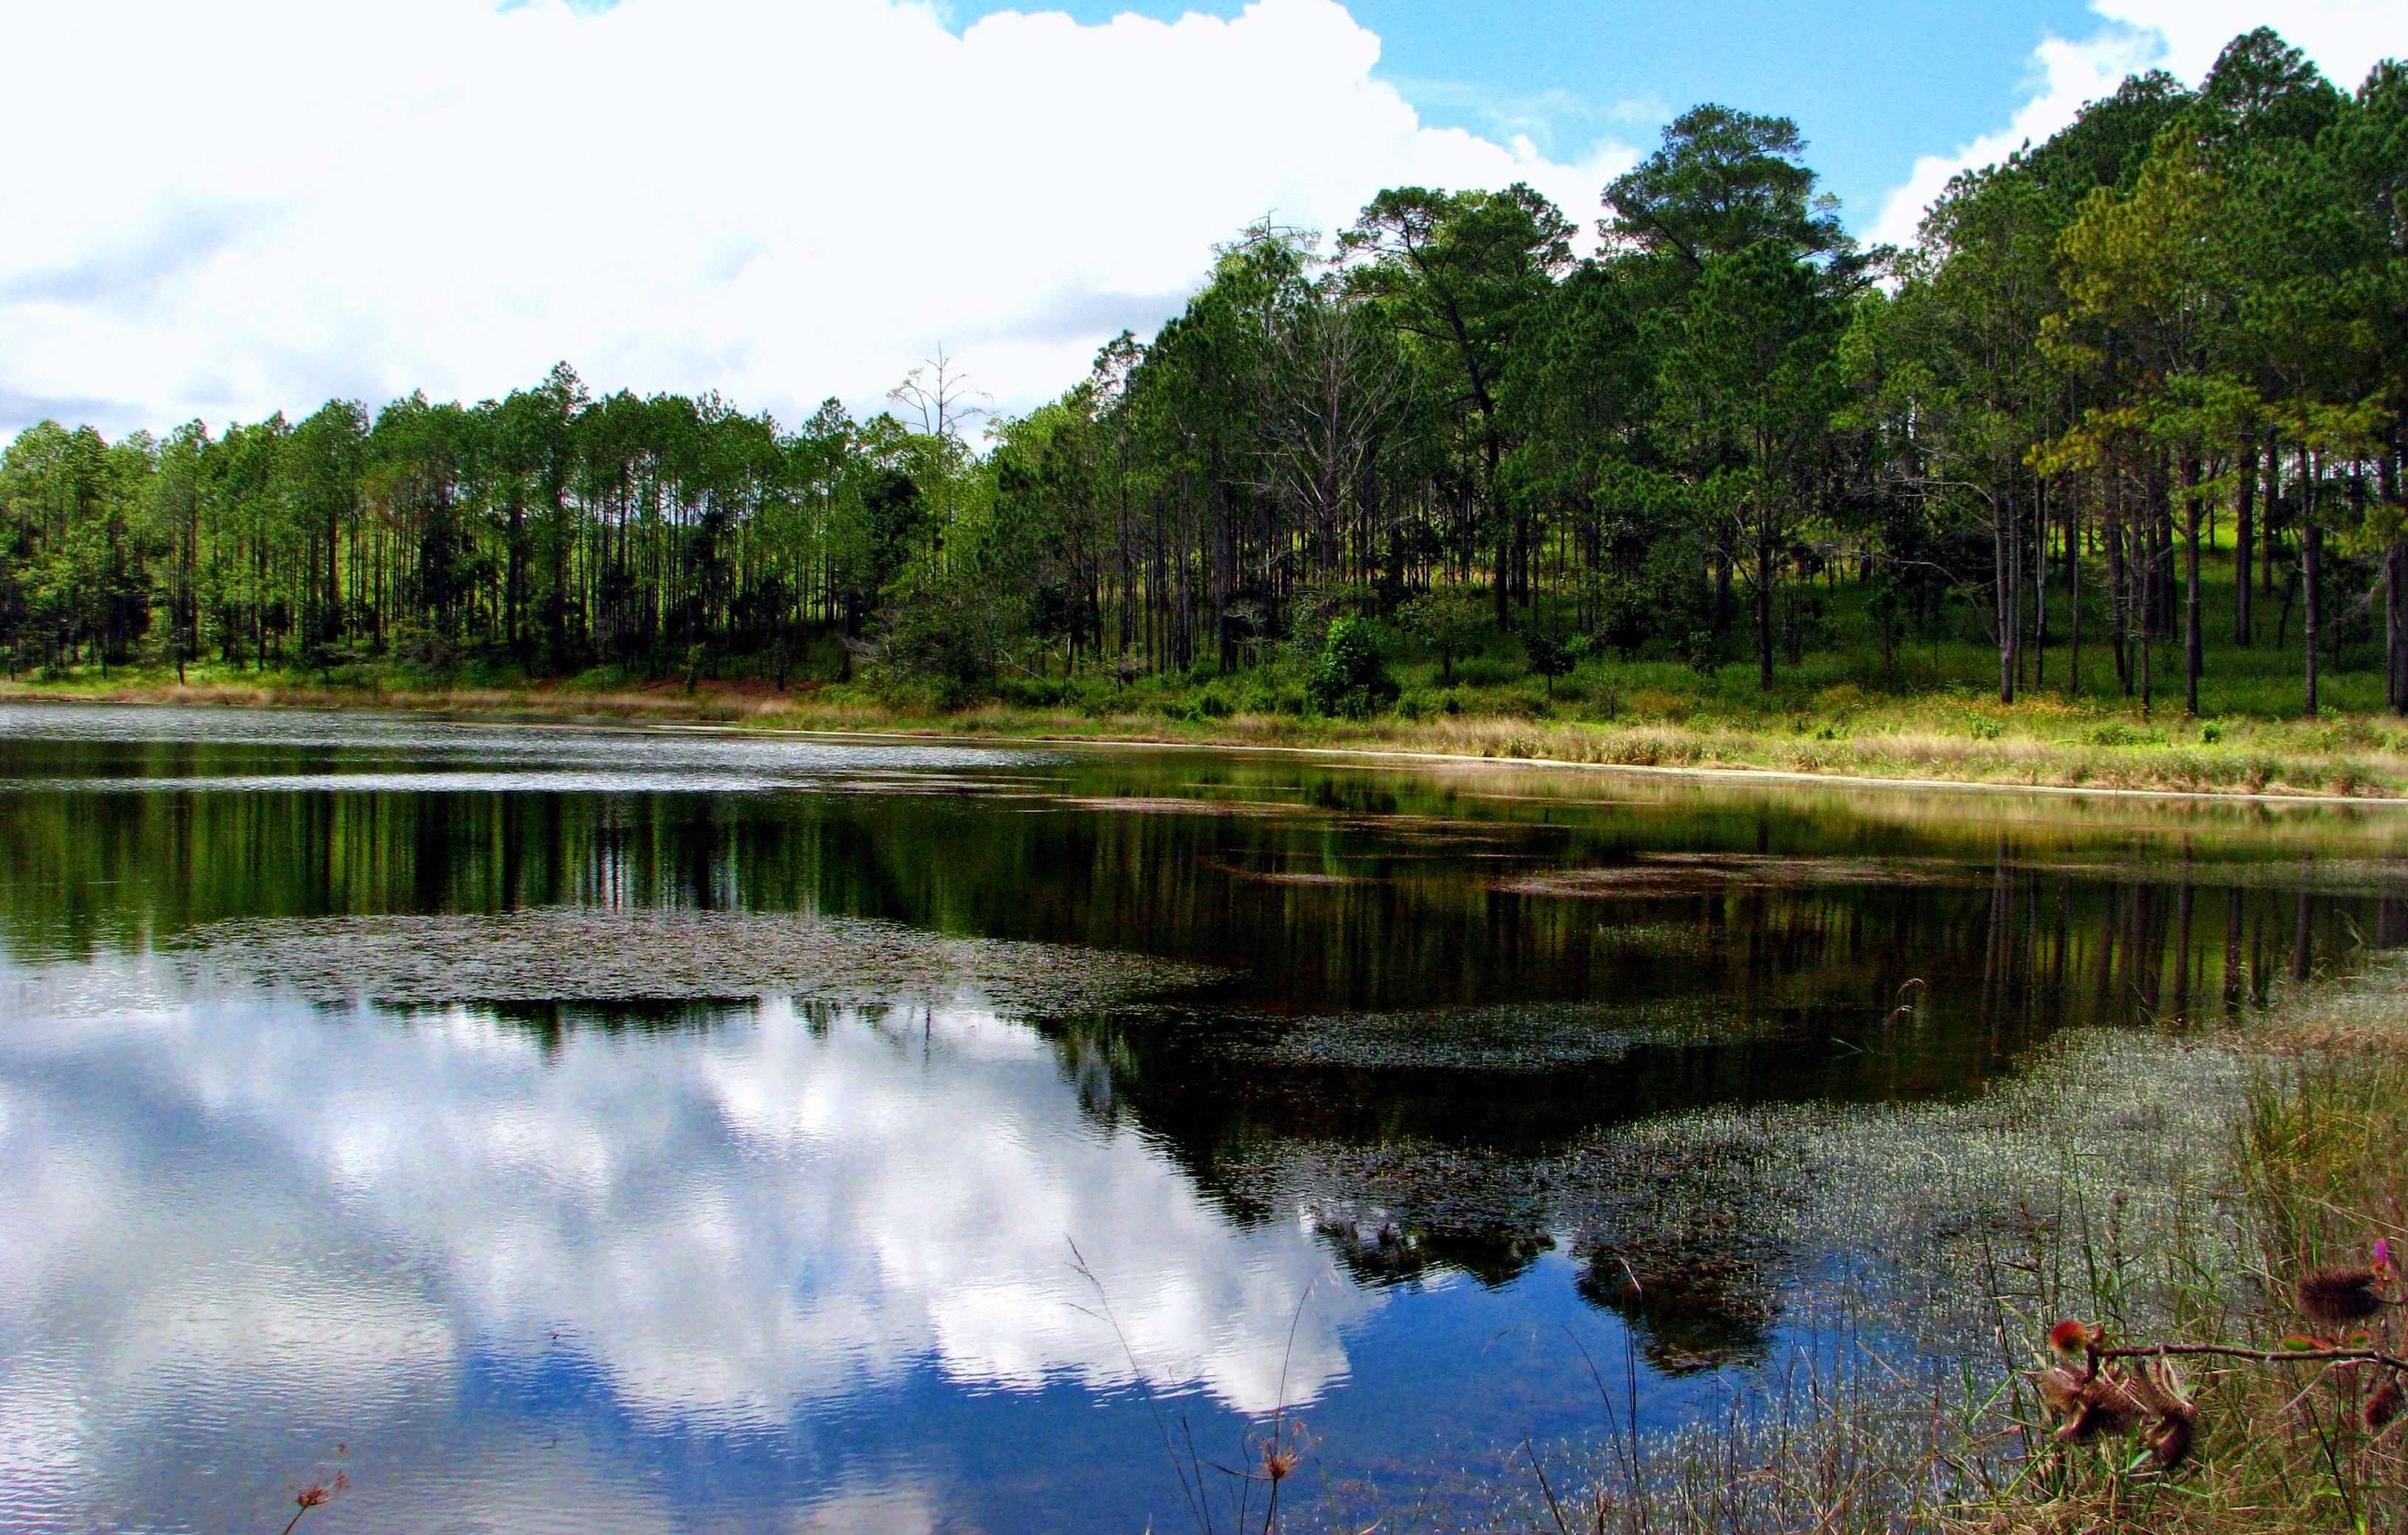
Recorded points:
(2116,733)
(1549,657)
(1351,675)
(1447,622)
(1655,704)
(1841,698)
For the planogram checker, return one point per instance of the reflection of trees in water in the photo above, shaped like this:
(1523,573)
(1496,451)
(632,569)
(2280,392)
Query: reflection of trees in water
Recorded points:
(1371,1245)
(1323,906)
(1675,1213)
(1688,1252)
(1676,1225)
(1452,1140)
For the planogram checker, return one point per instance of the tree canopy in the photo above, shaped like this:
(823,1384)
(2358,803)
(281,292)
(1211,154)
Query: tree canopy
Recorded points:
(2185,312)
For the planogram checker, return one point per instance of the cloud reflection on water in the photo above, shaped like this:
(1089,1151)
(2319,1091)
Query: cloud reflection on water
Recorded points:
(225,1205)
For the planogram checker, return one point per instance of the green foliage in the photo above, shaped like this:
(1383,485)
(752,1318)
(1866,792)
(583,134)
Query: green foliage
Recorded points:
(1351,676)
(1549,657)
(1445,620)
(1715,436)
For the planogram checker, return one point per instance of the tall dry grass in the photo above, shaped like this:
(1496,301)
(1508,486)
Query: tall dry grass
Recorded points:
(1948,739)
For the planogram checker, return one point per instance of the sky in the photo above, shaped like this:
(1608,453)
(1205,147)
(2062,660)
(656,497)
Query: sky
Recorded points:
(218,209)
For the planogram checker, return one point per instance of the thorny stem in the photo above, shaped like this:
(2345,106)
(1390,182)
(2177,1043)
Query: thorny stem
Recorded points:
(2270,1357)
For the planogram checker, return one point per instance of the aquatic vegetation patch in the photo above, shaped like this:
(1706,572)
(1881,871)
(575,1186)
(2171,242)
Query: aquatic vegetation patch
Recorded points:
(1706,873)
(568,954)
(1160,805)
(1922,1220)
(1290,877)
(1502,1037)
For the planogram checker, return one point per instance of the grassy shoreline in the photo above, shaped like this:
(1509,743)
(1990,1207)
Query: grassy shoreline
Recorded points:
(2307,1168)
(1950,738)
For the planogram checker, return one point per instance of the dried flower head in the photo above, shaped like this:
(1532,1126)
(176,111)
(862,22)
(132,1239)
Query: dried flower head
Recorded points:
(2383,1406)
(2335,1296)
(2070,1339)
(2171,1440)
(2176,1429)
(313,1495)
(2091,1405)
(1278,1462)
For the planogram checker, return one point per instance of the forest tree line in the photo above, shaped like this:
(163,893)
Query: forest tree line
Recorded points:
(2174,333)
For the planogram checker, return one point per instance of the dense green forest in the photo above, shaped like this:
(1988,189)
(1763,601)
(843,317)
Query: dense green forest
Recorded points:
(2165,351)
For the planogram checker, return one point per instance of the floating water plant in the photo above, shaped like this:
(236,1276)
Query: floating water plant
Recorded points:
(612,954)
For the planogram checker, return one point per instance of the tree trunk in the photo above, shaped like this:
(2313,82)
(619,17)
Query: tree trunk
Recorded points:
(2395,628)
(2312,569)
(1764,606)
(2194,642)
(2040,584)
(2119,591)
(2394,593)
(2147,604)
(2245,533)
(2270,519)
(2074,598)
(2005,566)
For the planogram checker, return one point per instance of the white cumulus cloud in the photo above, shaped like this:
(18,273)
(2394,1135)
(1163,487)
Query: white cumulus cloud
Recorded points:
(2344,38)
(225,209)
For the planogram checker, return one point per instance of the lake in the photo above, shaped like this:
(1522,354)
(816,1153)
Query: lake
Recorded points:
(555,1127)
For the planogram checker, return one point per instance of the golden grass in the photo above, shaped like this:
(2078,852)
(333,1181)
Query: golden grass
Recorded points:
(2039,743)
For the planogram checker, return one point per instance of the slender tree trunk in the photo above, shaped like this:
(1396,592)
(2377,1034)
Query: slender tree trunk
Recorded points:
(2004,567)
(2245,533)
(2119,588)
(2395,595)
(2073,597)
(2395,628)
(2269,519)
(2149,604)
(2194,642)
(2040,584)
(1764,605)
(2312,569)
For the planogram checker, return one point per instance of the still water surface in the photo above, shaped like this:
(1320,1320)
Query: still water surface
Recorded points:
(558,1128)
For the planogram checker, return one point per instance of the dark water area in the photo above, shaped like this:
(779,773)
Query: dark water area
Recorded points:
(620,1130)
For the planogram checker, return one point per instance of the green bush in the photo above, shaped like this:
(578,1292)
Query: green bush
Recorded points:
(2116,733)
(1549,657)
(1351,675)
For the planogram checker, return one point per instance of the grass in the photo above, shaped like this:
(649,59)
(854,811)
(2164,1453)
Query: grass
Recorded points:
(2284,1151)
(1953,734)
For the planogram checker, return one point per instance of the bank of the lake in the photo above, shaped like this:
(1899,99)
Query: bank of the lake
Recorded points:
(2200,1177)
(1955,737)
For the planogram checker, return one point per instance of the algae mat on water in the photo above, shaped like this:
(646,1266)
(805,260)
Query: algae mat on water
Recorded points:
(562,955)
